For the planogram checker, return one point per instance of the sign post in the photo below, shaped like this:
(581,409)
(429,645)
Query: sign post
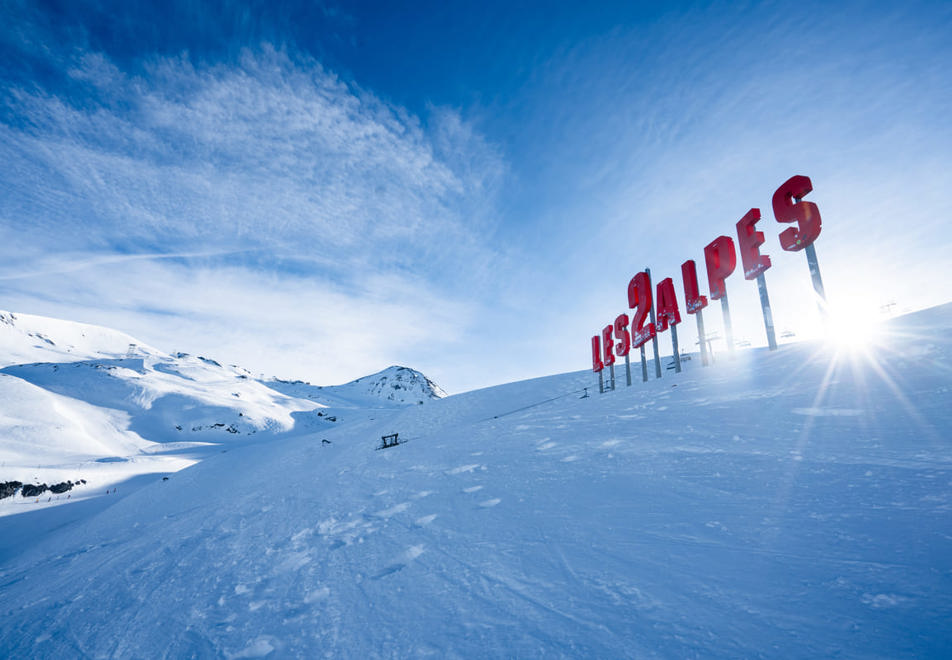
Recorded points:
(640,300)
(705,359)
(728,331)
(674,349)
(623,347)
(814,267)
(768,316)
(597,364)
(721,259)
(608,353)
(694,302)
(789,207)
(755,264)
(654,338)
(669,316)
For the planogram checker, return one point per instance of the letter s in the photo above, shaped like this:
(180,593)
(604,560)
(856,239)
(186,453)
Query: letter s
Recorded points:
(788,208)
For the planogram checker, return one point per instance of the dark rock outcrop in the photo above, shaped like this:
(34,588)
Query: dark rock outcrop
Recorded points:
(29,490)
(34,490)
(9,488)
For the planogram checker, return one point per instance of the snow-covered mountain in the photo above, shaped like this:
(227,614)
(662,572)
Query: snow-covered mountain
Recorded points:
(96,405)
(397,384)
(393,385)
(793,504)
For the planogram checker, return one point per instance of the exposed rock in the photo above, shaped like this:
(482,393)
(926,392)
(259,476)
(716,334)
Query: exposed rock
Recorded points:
(9,488)
(29,490)
(32,490)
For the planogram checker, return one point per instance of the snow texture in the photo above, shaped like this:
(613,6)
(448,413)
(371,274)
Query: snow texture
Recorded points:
(793,504)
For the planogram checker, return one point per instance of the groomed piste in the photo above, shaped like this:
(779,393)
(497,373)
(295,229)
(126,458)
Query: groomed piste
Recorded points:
(793,504)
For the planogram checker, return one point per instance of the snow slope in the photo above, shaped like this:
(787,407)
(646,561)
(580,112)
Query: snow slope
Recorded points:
(96,404)
(789,504)
(100,406)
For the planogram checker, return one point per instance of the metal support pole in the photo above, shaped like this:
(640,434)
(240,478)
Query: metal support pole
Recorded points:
(817,278)
(657,358)
(611,372)
(644,365)
(601,383)
(700,337)
(768,316)
(814,266)
(627,370)
(728,331)
(654,340)
(674,349)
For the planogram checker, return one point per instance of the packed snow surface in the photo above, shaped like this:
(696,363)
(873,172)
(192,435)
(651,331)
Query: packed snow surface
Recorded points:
(795,504)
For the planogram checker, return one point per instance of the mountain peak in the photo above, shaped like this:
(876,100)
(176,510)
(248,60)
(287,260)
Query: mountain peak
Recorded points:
(398,384)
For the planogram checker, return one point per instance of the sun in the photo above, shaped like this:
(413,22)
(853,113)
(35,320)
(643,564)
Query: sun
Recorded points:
(853,328)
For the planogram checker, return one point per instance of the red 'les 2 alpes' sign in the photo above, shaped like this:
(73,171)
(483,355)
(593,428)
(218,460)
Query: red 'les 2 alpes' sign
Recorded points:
(720,258)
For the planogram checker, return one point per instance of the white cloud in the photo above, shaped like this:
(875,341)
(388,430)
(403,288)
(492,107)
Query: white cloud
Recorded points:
(275,153)
(266,213)
(272,323)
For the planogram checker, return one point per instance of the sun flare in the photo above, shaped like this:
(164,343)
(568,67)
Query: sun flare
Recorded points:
(853,330)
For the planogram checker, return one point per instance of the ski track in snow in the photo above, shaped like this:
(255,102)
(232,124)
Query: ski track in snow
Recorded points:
(704,520)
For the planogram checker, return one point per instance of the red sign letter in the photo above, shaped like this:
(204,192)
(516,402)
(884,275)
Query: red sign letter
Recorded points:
(621,332)
(597,354)
(786,208)
(667,305)
(639,298)
(608,355)
(693,300)
(749,241)
(721,261)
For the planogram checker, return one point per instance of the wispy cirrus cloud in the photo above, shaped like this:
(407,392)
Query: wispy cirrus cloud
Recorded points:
(273,152)
(296,207)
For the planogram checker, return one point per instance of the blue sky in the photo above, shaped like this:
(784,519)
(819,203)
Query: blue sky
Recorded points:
(319,190)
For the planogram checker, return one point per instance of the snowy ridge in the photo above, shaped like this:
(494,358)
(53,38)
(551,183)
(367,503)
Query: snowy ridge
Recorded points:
(791,504)
(29,338)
